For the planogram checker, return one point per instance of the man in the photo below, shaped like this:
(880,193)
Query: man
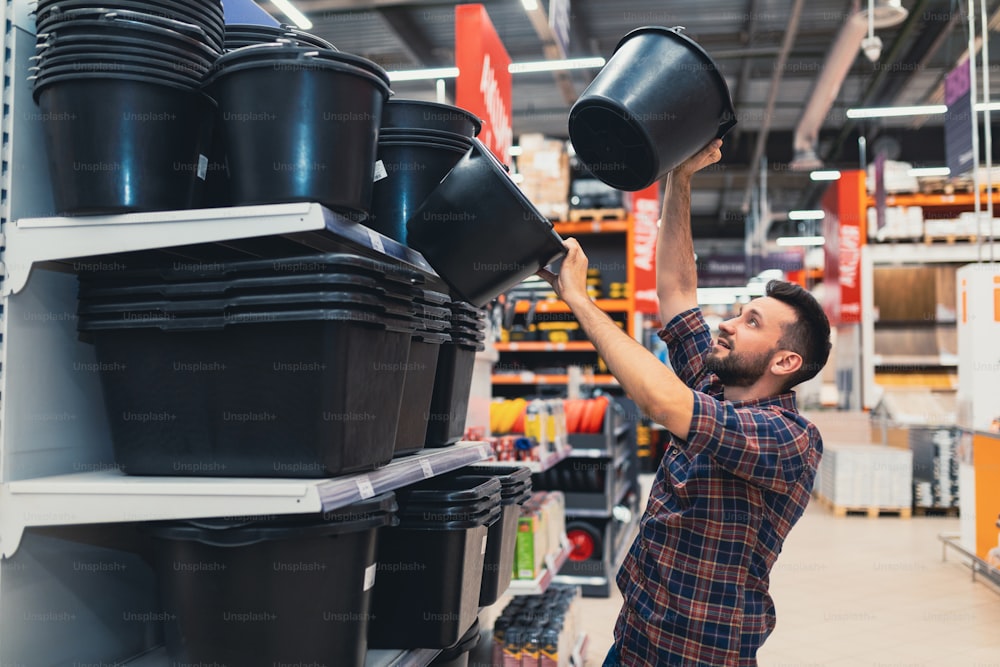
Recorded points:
(741,462)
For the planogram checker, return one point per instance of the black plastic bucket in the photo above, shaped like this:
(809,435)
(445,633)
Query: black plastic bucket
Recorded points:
(287,590)
(180,72)
(238,35)
(413,168)
(195,24)
(299,130)
(417,134)
(118,143)
(85,43)
(111,26)
(417,114)
(479,231)
(658,100)
(176,61)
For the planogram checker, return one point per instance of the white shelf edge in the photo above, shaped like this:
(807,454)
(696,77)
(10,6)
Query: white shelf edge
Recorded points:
(108,496)
(579,650)
(33,240)
(540,584)
(549,461)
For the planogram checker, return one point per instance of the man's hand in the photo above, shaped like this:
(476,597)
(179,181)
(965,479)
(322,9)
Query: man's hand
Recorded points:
(571,283)
(708,155)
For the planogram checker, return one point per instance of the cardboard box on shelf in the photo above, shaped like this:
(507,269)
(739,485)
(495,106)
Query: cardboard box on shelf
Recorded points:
(544,168)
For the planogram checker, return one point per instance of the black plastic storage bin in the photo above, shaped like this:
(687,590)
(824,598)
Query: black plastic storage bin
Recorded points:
(435,558)
(294,393)
(498,562)
(458,655)
(288,590)
(418,391)
(450,401)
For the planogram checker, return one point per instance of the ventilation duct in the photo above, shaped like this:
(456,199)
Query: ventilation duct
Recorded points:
(884,14)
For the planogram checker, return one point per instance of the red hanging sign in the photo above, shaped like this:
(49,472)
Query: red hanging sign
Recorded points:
(844,228)
(645,214)
(484,86)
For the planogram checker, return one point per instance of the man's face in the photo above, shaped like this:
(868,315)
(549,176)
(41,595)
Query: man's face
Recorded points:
(746,344)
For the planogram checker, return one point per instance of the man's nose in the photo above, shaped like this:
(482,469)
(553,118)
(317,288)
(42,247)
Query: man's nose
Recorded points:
(727,327)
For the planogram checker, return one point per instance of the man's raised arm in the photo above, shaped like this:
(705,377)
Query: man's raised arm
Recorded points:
(676,274)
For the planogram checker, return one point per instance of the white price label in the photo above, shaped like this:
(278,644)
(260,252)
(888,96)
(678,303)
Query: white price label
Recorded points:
(483,550)
(527,376)
(365,487)
(425,465)
(370,576)
(376,240)
(380,171)
(202,167)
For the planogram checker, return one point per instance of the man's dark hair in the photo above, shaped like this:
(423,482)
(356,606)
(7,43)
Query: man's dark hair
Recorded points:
(808,336)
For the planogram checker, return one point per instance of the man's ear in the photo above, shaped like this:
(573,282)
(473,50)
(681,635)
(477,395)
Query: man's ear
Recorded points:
(786,362)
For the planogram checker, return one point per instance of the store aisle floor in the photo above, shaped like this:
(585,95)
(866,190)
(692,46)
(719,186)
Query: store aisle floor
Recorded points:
(859,592)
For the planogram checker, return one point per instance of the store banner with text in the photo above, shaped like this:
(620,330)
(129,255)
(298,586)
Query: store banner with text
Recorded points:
(645,214)
(844,204)
(484,86)
(958,150)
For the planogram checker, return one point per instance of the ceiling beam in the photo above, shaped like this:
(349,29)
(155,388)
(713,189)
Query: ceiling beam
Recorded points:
(411,37)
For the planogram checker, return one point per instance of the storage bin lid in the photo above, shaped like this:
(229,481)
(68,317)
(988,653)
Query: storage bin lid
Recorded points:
(482,519)
(370,514)
(448,488)
(135,270)
(214,322)
(279,284)
(365,299)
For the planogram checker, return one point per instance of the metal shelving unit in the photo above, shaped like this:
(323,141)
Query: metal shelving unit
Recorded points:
(381,658)
(540,584)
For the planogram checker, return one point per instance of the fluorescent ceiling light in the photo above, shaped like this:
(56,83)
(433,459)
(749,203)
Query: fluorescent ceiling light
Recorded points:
(293,14)
(930,171)
(423,74)
(553,65)
(825,175)
(800,240)
(530,5)
(886,112)
(806,215)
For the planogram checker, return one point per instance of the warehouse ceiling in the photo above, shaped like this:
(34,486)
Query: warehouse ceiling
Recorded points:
(771,52)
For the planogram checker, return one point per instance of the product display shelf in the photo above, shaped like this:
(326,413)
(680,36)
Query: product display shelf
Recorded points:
(577,659)
(539,346)
(591,227)
(549,460)
(309,225)
(553,306)
(616,555)
(529,378)
(600,512)
(538,585)
(381,658)
(108,496)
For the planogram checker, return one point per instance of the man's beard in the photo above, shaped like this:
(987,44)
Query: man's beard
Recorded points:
(739,370)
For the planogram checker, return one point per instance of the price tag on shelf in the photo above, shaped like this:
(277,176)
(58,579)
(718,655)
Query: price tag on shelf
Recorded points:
(596,226)
(527,376)
(380,171)
(425,465)
(365,487)
(370,576)
(376,240)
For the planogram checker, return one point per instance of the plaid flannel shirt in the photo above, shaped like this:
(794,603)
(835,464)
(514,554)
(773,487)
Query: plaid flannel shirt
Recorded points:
(695,581)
